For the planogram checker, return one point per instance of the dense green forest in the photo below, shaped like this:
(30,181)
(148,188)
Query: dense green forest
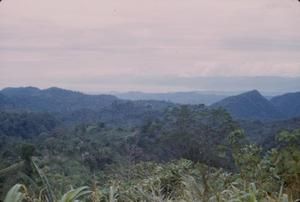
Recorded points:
(121,150)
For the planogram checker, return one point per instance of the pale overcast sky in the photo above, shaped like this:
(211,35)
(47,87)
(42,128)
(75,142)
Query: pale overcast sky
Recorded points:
(148,45)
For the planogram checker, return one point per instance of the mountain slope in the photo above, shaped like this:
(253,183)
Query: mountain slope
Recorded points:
(249,105)
(55,99)
(288,104)
(74,107)
(265,132)
(5,102)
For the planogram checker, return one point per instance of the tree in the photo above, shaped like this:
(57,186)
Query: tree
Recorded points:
(27,151)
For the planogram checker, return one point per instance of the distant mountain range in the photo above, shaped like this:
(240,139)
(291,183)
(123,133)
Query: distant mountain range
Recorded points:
(248,106)
(189,97)
(206,98)
(70,106)
(252,105)
(52,99)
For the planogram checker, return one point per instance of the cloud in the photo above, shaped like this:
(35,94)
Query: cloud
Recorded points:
(60,41)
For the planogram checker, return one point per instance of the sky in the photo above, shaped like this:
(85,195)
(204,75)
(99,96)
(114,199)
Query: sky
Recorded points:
(151,45)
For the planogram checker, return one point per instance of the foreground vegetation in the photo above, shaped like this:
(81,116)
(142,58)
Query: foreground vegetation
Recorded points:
(185,153)
(274,177)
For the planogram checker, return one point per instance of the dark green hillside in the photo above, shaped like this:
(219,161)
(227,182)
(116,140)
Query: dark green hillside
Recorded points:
(112,161)
(134,113)
(192,132)
(263,133)
(26,125)
(124,150)
(249,105)
(121,113)
(288,104)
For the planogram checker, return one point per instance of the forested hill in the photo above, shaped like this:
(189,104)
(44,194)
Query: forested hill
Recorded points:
(77,106)
(5,103)
(52,99)
(288,104)
(28,112)
(253,106)
(264,133)
(249,105)
(70,139)
(71,107)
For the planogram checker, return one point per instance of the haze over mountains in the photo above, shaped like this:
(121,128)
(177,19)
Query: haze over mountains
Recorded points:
(249,105)
(195,97)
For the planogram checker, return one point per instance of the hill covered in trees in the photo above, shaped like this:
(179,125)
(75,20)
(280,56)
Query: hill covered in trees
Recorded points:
(253,106)
(249,105)
(288,104)
(144,150)
(54,99)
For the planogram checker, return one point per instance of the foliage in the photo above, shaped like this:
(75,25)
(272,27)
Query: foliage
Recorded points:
(286,161)
(27,151)
(16,194)
(180,180)
(133,151)
(273,177)
(189,132)
(74,194)
(26,125)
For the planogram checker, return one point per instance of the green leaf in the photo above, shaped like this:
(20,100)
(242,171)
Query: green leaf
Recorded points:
(74,194)
(16,194)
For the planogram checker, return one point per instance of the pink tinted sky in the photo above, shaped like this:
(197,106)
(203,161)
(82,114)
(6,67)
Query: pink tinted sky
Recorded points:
(93,45)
